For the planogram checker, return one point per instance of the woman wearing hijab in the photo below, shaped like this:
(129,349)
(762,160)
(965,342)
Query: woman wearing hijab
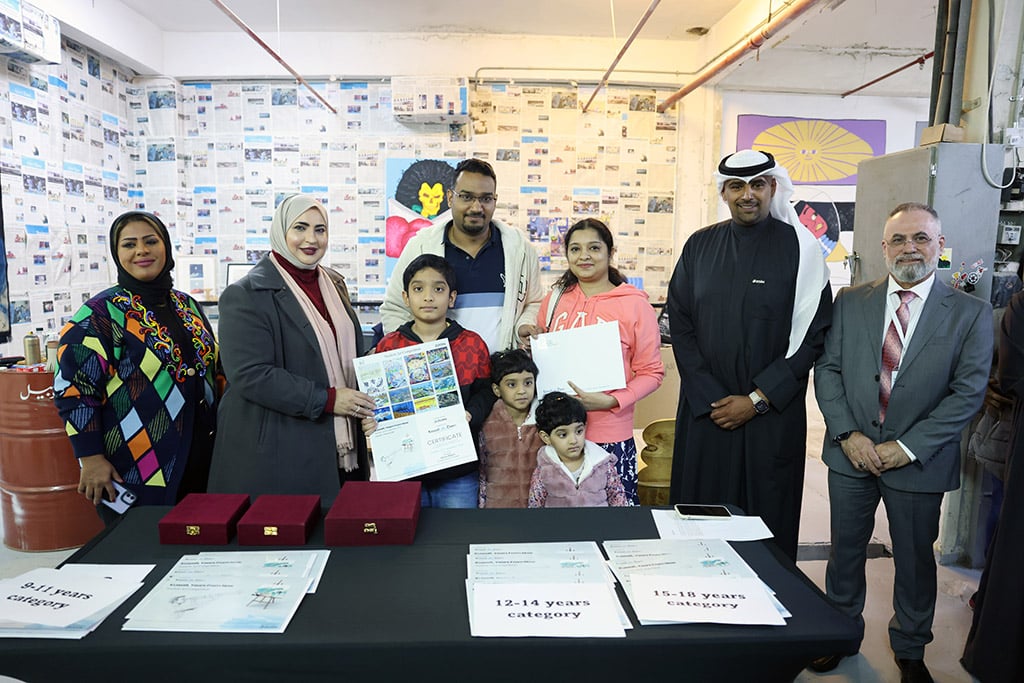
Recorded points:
(289,418)
(136,377)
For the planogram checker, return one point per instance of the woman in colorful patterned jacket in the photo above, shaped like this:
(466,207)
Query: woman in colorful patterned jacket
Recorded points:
(136,377)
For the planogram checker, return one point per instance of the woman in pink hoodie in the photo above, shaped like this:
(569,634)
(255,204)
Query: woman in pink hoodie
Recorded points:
(593,291)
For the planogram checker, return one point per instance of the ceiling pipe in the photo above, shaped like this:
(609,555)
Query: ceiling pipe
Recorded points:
(572,71)
(956,93)
(752,41)
(941,20)
(919,61)
(259,41)
(625,46)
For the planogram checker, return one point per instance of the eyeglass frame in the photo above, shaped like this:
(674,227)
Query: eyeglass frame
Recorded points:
(470,199)
(920,239)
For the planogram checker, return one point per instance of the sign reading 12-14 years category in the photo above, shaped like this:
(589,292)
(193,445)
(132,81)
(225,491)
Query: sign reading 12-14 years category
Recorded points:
(421,423)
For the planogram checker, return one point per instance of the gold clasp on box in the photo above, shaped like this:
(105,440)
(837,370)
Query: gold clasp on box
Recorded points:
(270,531)
(191,529)
(370,528)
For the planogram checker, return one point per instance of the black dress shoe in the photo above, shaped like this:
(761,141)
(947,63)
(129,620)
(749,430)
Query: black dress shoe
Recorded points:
(913,671)
(824,664)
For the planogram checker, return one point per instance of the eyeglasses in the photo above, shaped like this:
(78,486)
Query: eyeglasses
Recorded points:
(920,239)
(469,198)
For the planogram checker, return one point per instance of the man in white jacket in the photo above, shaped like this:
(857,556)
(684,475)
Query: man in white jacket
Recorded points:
(496,268)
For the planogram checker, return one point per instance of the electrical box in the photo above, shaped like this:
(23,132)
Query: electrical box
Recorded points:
(28,34)
(430,100)
(1008,234)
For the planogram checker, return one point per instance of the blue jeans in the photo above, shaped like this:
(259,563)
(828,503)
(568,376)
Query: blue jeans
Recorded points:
(460,492)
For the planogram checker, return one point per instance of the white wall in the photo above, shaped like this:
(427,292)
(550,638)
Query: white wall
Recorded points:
(707,127)
(111,27)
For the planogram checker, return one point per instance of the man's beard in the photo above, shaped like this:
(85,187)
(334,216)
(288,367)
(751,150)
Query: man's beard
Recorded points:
(912,271)
(473,229)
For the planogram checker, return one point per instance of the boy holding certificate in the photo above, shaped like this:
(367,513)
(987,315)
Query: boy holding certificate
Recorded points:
(429,291)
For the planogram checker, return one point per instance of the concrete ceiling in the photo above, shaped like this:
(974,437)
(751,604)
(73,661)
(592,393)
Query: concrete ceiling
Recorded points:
(837,46)
(597,18)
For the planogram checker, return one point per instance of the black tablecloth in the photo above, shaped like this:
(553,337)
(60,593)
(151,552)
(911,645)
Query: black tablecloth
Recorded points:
(398,613)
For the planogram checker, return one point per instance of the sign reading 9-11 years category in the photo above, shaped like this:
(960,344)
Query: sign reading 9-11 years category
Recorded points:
(421,423)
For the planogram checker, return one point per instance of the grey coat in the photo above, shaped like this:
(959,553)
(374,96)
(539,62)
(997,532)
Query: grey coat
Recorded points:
(273,434)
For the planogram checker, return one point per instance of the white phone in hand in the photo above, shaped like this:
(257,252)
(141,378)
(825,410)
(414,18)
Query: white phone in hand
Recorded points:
(125,499)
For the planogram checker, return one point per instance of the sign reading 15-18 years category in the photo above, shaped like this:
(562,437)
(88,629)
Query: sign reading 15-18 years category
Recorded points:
(421,423)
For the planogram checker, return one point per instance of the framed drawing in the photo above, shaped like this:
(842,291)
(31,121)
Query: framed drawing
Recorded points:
(236,271)
(197,276)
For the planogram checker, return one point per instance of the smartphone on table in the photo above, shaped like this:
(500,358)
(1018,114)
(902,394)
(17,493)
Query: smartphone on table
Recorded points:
(694,511)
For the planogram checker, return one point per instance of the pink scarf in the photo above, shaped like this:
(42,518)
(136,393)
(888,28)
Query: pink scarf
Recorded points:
(336,348)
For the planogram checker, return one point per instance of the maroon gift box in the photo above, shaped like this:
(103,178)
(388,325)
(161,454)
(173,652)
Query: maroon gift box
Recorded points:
(279,520)
(374,513)
(203,519)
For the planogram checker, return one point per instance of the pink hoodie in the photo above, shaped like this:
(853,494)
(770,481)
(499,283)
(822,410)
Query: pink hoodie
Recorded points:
(641,349)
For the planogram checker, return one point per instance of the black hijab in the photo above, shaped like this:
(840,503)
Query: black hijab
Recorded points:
(156,292)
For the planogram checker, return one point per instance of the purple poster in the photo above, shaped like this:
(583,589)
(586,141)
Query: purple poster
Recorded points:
(814,151)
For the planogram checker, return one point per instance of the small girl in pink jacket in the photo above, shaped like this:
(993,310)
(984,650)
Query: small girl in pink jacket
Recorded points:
(571,471)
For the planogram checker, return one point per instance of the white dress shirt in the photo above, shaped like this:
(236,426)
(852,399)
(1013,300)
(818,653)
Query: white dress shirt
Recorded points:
(892,302)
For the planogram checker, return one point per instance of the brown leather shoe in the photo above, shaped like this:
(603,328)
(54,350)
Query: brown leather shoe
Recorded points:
(913,671)
(825,664)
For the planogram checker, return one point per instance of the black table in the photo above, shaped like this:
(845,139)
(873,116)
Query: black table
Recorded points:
(398,613)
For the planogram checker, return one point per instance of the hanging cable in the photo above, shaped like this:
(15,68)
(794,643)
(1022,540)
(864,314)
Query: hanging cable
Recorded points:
(988,107)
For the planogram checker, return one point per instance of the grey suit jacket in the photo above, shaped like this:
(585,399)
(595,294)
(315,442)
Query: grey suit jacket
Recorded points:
(939,388)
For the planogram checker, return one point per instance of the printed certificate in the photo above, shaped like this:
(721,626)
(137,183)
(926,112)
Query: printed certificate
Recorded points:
(421,423)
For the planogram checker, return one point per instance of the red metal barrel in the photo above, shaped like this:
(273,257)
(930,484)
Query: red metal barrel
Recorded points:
(41,506)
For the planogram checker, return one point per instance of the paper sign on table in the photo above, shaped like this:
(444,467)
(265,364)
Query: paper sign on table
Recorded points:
(565,610)
(589,356)
(689,599)
(51,598)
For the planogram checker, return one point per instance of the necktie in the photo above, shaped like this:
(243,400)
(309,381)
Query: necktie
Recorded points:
(892,350)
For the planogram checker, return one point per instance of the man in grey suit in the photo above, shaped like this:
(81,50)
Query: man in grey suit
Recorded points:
(904,370)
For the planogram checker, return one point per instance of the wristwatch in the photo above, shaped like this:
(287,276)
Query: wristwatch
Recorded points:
(839,438)
(760,405)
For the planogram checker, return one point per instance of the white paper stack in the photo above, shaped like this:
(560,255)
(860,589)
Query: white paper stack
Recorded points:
(542,589)
(691,581)
(230,592)
(65,603)
(735,528)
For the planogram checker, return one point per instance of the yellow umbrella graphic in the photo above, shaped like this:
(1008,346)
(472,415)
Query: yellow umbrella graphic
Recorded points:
(814,151)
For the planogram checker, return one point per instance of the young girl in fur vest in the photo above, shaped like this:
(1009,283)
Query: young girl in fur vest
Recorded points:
(571,471)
